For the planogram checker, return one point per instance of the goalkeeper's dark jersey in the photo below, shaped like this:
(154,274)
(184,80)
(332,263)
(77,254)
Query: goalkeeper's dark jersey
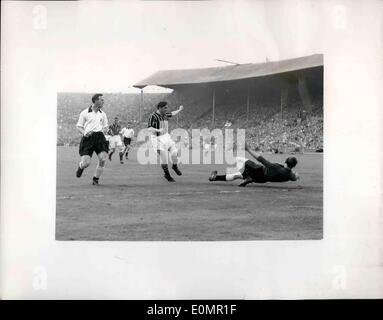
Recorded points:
(268,172)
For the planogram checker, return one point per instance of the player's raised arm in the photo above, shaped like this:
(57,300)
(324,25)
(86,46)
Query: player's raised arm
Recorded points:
(177,111)
(264,161)
(251,152)
(257,156)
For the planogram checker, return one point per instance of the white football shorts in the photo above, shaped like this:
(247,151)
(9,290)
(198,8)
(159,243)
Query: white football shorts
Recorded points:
(240,164)
(115,141)
(163,142)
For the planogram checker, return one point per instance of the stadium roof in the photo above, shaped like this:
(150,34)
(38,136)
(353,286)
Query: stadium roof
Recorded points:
(171,78)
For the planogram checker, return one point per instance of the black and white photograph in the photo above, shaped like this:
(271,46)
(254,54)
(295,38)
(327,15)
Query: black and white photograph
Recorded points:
(153,155)
(191,149)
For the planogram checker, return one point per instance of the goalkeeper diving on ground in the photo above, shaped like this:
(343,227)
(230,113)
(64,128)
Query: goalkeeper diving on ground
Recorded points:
(265,171)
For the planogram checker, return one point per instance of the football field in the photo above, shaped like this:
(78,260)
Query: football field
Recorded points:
(135,203)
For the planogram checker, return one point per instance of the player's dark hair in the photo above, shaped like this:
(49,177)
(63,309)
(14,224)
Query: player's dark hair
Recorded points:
(161,104)
(96,96)
(291,162)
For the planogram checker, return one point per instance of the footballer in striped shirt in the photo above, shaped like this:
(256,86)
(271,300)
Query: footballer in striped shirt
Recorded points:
(161,139)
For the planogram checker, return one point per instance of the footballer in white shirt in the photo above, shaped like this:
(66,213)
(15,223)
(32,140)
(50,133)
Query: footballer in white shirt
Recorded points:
(127,134)
(92,124)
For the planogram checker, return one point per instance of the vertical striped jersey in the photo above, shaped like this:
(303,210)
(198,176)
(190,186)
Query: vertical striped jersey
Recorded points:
(159,121)
(114,129)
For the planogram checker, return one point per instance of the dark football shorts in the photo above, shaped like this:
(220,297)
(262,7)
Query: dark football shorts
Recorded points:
(127,141)
(254,171)
(96,142)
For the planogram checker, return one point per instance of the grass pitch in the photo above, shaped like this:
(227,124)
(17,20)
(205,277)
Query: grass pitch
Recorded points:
(135,203)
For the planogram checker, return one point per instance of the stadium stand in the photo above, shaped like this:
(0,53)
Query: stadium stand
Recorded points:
(267,128)
(246,96)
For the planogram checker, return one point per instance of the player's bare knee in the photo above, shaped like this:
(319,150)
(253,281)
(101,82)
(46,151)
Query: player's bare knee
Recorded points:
(163,157)
(174,152)
(85,163)
(102,162)
(102,159)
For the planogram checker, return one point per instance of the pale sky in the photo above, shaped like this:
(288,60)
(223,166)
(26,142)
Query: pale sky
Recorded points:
(109,46)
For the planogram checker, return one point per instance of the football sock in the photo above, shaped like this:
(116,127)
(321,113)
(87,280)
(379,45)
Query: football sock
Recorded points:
(176,170)
(174,157)
(220,177)
(121,155)
(165,168)
(99,171)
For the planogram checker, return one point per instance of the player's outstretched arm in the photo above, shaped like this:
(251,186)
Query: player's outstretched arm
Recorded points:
(257,156)
(177,111)
(251,152)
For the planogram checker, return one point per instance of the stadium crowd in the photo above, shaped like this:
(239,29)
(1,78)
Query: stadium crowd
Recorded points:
(123,105)
(267,128)
(279,134)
